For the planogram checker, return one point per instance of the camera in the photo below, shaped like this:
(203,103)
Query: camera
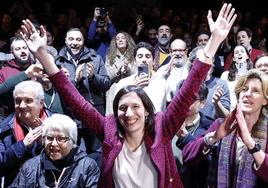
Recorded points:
(103,12)
(101,19)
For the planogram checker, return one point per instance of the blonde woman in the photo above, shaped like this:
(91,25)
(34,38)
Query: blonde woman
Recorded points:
(236,147)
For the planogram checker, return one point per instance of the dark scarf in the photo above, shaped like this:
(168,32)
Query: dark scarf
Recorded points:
(245,176)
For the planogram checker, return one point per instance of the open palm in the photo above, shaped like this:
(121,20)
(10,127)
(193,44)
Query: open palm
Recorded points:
(32,37)
(221,27)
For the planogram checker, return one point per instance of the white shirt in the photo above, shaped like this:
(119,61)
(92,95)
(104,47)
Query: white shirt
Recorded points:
(134,169)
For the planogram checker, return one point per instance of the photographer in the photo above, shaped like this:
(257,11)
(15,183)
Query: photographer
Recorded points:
(86,69)
(101,31)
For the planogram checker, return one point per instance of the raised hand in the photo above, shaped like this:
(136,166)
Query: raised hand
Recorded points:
(142,80)
(228,125)
(221,27)
(33,38)
(217,94)
(243,128)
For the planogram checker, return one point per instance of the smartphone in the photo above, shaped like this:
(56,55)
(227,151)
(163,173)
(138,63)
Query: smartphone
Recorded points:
(142,70)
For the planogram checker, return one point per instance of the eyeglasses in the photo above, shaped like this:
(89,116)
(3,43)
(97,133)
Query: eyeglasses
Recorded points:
(59,139)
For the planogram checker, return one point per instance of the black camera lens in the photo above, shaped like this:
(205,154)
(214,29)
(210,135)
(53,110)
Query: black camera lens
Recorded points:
(103,12)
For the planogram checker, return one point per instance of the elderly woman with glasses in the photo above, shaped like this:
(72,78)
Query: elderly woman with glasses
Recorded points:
(61,164)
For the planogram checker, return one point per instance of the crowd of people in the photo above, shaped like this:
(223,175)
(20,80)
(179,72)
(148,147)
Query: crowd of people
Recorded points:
(149,106)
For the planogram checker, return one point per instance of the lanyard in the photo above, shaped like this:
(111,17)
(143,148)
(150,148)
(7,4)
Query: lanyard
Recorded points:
(51,101)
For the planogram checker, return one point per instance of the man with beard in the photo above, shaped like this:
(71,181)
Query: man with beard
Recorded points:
(176,66)
(101,31)
(86,69)
(22,60)
(161,50)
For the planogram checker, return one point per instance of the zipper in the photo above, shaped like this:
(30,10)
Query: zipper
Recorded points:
(57,182)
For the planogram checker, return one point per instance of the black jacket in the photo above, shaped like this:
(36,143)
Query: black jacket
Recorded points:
(92,89)
(83,172)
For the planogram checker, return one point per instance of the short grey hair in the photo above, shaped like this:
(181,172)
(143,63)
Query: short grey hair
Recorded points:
(62,123)
(30,85)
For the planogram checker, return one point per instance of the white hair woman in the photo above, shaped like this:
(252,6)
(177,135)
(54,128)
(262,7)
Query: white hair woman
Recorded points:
(61,163)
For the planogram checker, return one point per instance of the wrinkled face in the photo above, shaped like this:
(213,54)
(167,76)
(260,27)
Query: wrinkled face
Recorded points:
(164,35)
(144,57)
(57,144)
(121,41)
(179,52)
(252,97)
(131,113)
(20,51)
(202,40)
(240,54)
(74,41)
(242,38)
(262,64)
(27,106)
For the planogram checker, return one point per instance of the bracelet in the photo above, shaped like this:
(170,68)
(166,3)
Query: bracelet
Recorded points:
(207,139)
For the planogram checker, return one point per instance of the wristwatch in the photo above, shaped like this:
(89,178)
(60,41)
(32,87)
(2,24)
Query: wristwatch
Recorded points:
(256,148)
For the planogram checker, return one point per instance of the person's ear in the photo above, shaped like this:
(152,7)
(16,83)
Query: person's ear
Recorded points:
(42,102)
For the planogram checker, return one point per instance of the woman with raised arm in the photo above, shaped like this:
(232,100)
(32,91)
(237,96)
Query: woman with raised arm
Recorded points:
(235,149)
(136,142)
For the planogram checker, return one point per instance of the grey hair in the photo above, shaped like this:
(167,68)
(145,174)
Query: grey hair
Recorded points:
(32,86)
(15,39)
(62,123)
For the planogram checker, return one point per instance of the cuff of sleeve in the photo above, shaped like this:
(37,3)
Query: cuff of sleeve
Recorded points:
(262,169)
(255,167)
(207,139)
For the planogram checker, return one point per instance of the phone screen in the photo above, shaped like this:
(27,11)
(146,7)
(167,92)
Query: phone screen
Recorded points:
(142,70)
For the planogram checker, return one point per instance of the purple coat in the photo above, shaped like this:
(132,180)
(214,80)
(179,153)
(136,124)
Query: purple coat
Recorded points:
(192,153)
(158,146)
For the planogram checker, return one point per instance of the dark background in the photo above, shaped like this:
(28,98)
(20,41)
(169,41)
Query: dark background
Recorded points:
(257,7)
